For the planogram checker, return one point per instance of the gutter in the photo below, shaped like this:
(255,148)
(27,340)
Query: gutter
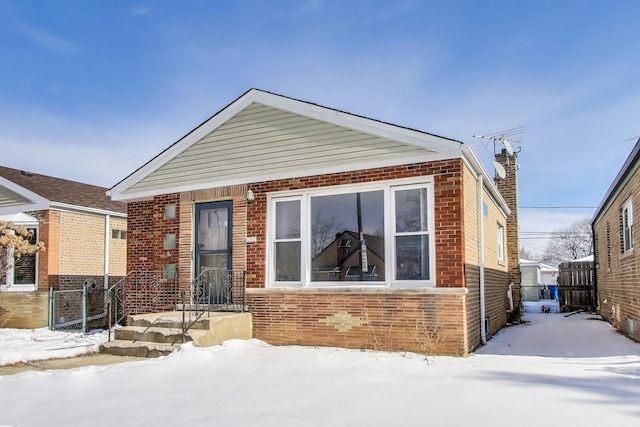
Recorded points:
(74,208)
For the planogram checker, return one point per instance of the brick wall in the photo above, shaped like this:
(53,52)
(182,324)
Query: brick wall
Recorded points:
(424,321)
(82,239)
(509,189)
(140,223)
(24,309)
(496,302)
(391,319)
(148,226)
(617,273)
(448,209)
(496,277)
(117,248)
(48,260)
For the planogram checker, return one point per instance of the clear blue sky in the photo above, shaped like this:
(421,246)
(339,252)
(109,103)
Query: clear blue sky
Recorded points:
(91,90)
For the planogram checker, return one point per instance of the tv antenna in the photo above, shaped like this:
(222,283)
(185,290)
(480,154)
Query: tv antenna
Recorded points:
(503,138)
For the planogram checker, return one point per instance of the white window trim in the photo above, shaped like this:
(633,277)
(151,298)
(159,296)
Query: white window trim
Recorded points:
(628,207)
(388,187)
(10,285)
(393,234)
(500,242)
(271,239)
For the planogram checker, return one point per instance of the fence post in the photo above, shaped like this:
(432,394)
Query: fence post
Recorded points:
(182,296)
(84,308)
(51,326)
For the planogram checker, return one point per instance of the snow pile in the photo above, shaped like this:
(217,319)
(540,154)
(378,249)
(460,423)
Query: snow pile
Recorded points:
(25,345)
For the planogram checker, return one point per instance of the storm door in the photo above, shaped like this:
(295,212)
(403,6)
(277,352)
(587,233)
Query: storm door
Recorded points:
(213,236)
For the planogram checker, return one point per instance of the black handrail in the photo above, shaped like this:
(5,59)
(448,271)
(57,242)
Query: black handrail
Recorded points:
(214,290)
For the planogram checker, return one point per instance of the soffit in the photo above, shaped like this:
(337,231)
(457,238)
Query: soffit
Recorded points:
(11,198)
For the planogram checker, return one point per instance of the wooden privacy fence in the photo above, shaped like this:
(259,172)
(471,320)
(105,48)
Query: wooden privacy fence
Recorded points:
(577,285)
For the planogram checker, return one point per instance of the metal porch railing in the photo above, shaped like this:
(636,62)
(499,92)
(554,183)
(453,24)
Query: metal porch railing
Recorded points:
(142,292)
(213,290)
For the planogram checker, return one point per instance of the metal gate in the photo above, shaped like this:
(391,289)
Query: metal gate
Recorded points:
(78,309)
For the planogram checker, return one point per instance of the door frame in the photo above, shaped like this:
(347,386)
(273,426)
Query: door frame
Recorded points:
(198,208)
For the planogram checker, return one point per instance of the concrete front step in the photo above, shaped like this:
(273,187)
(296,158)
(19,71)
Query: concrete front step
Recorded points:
(156,334)
(170,319)
(137,349)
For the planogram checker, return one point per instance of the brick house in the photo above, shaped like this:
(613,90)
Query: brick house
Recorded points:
(616,263)
(84,233)
(311,201)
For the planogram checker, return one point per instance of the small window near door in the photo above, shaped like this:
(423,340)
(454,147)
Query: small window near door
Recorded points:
(170,271)
(169,241)
(170,211)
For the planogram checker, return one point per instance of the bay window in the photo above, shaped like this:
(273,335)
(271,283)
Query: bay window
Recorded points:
(368,234)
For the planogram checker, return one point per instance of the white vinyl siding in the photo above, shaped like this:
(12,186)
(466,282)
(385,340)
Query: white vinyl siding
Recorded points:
(262,140)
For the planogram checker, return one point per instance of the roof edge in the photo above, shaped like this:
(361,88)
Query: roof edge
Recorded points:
(632,159)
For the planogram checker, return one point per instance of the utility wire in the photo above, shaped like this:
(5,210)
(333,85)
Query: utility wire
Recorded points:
(557,207)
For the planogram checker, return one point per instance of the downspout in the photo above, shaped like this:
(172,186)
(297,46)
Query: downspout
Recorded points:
(107,225)
(595,302)
(483,332)
(510,296)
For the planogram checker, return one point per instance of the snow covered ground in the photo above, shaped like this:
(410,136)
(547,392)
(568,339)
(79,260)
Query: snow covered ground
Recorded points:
(25,345)
(553,370)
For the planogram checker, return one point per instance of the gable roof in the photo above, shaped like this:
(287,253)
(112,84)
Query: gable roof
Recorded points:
(263,136)
(27,191)
(630,166)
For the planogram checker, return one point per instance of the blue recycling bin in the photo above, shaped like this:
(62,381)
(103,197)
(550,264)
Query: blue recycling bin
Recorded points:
(554,291)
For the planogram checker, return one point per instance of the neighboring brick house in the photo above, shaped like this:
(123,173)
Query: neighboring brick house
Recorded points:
(273,186)
(84,233)
(616,262)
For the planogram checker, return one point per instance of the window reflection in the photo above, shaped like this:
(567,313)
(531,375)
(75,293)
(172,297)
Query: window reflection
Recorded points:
(288,244)
(338,224)
(24,267)
(412,239)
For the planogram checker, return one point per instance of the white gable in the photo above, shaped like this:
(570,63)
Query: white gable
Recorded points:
(21,218)
(15,198)
(262,136)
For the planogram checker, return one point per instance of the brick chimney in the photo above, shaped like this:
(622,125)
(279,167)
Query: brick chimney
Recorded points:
(508,187)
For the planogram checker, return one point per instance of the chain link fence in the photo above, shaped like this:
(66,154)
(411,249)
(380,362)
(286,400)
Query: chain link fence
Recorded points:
(78,309)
